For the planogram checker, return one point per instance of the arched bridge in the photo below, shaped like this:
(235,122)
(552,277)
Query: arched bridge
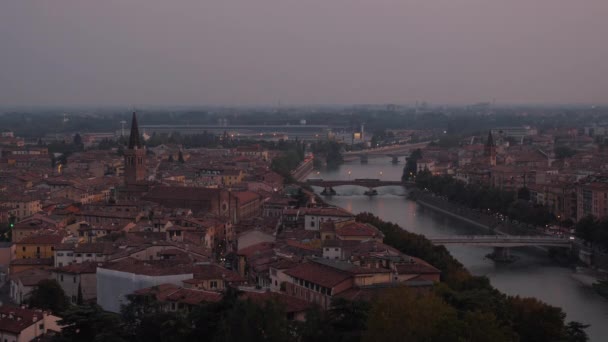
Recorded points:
(368,183)
(502,240)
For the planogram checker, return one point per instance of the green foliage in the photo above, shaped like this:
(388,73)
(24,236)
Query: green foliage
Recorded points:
(330,150)
(482,312)
(49,295)
(535,321)
(593,231)
(482,197)
(523,194)
(562,152)
(576,332)
(292,156)
(79,298)
(77,140)
(411,165)
(90,323)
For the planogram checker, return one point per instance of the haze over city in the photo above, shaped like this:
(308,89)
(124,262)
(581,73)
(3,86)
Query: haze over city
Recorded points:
(302,52)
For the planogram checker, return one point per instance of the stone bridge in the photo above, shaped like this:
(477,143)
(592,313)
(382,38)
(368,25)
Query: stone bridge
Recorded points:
(502,243)
(502,240)
(368,183)
(393,151)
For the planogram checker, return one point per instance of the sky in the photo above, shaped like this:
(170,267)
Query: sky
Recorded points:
(302,52)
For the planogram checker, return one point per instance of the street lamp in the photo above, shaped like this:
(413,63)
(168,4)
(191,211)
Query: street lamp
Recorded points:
(349,172)
(380,174)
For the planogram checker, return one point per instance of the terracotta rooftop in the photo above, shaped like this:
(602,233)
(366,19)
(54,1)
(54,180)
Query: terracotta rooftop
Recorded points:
(150,267)
(216,272)
(79,268)
(14,319)
(174,293)
(357,229)
(318,274)
(35,239)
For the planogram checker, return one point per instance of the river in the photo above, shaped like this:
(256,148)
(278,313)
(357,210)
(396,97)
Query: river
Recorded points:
(532,275)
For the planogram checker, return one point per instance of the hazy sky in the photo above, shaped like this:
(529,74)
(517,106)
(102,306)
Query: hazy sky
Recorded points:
(249,52)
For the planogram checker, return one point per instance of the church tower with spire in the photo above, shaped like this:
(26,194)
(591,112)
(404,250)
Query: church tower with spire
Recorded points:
(489,150)
(135,156)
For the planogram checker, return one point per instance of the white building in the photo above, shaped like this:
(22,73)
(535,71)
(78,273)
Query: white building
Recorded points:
(116,281)
(314,217)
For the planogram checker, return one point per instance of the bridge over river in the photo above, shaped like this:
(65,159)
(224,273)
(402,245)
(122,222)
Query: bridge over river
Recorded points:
(502,243)
(393,151)
(368,183)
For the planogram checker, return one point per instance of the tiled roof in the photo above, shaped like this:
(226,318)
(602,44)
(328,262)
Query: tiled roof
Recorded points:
(35,239)
(204,272)
(32,261)
(256,249)
(150,268)
(181,193)
(245,196)
(79,268)
(317,274)
(14,319)
(174,293)
(357,229)
(31,277)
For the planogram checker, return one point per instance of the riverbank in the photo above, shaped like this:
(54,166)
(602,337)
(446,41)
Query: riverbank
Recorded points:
(302,171)
(493,224)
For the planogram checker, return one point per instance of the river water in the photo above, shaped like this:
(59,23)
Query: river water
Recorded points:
(532,275)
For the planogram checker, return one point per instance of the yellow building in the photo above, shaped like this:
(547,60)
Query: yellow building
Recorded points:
(37,246)
(231,177)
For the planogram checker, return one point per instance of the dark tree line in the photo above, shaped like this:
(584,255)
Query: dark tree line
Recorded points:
(593,231)
(477,196)
(474,310)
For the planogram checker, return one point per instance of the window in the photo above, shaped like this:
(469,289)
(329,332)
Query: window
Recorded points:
(41,327)
(335,249)
(60,264)
(78,254)
(23,248)
(213,284)
(59,254)
(89,255)
(312,223)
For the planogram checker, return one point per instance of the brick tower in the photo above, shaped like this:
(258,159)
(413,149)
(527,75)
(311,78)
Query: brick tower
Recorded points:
(490,150)
(135,156)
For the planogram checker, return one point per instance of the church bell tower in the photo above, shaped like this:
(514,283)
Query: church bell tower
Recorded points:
(490,150)
(135,154)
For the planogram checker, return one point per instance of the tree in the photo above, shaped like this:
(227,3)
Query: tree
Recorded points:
(562,152)
(180,157)
(535,321)
(411,165)
(77,139)
(585,228)
(399,314)
(79,298)
(576,332)
(523,194)
(90,323)
(48,295)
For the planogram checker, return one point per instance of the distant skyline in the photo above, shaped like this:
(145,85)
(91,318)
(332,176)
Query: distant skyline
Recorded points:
(314,52)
